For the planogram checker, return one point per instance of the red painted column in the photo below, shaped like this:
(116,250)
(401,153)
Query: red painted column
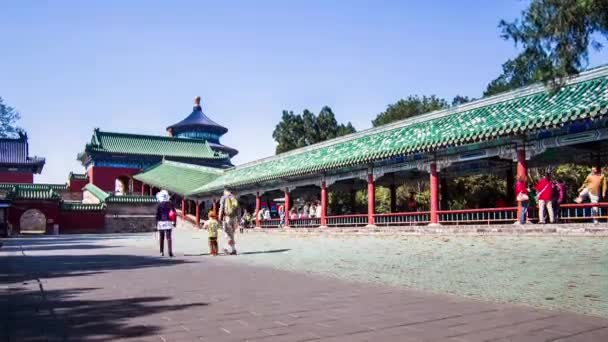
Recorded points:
(198,214)
(434,184)
(258,204)
(286,207)
(323,204)
(371,200)
(522,171)
(183,208)
(143,187)
(151,190)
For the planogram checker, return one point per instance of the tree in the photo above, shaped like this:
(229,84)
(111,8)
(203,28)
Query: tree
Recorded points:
(409,107)
(299,130)
(529,67)
(458,100)
(555,36)
(8,120)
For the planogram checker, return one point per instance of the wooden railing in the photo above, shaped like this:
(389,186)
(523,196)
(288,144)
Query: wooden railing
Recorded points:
(347,220)
(567,213)
(313,222)
(271,223)
(402,219)
(477,216)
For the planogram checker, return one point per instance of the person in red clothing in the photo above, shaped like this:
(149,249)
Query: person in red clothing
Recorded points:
(521,195)
(544,193)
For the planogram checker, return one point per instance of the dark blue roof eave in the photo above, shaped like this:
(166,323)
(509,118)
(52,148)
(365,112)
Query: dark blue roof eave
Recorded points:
(198,119)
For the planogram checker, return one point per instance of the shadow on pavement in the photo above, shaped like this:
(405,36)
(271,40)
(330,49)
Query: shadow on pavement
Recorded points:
(19,268)
(267,252)
(54,247)
(246,253)
(64,315)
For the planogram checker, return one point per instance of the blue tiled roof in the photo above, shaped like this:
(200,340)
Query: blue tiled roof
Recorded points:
(198,119)
(14,151)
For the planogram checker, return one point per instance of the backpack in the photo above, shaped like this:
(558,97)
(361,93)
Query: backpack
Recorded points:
(230,206)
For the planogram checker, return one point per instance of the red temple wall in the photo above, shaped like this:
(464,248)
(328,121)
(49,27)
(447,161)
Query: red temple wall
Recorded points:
(80,222)
(16,177)
(49,209)
(105,177)
(76,185)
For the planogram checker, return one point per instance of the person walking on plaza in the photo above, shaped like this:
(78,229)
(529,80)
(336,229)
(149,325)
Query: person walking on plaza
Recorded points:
(229,218)
(593,186)
(559,195)
(212,226)
(521,195)
(165,221)
(281,215)
(544,194)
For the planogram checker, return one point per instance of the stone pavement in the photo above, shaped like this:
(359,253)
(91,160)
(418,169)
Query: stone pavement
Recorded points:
(96,288)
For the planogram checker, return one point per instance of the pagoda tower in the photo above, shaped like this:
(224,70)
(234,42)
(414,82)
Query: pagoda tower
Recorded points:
(199,127)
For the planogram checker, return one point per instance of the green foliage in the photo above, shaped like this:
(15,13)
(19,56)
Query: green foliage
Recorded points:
(8,120)
(573,176)
(299,130)
(458,100)
(411,106)
(383,200)
(478,191)
(556,35)
(529,67)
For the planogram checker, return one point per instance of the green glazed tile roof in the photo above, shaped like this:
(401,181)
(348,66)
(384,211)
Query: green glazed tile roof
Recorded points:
(131,199)
(97,192)
(178,178)
(105,197)
(517,112)
(35,186)
(78,206)
(123,143)
(34,194)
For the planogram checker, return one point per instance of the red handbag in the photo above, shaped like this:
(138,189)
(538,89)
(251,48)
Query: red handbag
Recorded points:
(172,215)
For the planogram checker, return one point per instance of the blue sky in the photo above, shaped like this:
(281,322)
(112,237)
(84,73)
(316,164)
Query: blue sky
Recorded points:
(135,66)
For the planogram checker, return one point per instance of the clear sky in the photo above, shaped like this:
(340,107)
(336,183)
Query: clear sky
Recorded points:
(135,66)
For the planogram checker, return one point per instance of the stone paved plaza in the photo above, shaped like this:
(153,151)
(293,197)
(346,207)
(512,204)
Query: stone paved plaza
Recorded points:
(288,288)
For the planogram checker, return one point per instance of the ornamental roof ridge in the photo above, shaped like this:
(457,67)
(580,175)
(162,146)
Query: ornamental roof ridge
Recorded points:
(139,135)
(598,72)
(192,166)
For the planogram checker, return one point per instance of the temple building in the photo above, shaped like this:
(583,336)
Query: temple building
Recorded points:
(112,159)
(16,166)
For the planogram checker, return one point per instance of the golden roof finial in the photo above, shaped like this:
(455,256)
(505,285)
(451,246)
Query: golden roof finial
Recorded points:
(197,100)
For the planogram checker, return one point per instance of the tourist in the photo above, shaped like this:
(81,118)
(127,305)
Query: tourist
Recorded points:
(411,202)
(594,184)
(165,221)
(228,217)
(293,214)
(521,195)
(212,225)
(304,212)
(312,210)
(267,216)
(281,215)
(559,195)
(544,194)
(243,222)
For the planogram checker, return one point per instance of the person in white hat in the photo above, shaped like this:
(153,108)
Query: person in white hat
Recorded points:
(165,220)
